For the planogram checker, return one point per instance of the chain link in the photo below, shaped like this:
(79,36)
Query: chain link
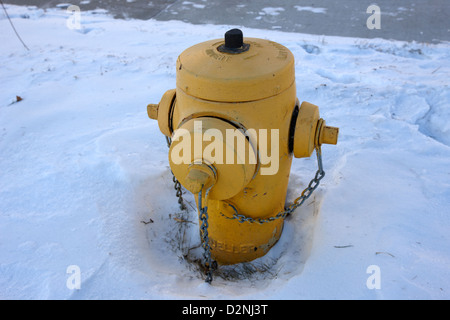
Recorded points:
(203,216)
(306,193)
(176,183)
(203,211)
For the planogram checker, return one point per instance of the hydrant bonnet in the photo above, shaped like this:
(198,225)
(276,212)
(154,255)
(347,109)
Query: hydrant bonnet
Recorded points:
(265,69)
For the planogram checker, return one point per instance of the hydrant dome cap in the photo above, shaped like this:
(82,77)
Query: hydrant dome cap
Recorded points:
(264,70)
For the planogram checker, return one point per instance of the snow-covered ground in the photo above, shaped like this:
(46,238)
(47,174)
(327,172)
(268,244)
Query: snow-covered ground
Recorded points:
(82,168)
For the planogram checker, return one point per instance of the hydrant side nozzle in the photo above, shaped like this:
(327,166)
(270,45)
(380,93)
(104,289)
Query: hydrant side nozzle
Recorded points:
(305,130)
(311,131)
(162,112)
(325,134)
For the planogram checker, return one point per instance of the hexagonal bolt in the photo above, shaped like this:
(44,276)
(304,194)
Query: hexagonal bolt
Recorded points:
(152,111)
(199,176)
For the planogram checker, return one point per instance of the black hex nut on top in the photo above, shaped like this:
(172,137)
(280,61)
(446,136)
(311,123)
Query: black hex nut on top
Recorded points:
(234,42)
(234,39)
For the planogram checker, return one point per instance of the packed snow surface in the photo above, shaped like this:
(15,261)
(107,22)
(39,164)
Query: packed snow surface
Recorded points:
(85,183)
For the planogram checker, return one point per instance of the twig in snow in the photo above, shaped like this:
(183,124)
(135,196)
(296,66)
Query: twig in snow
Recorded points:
(12,25)
(381,252)
(18,98)
(436,69)
(182,220)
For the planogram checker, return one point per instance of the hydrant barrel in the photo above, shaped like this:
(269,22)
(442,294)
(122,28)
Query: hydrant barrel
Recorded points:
(235,124)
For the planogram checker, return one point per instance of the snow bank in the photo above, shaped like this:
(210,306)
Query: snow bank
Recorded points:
(84,177)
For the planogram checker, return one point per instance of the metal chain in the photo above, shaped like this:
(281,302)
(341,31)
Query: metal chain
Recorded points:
(177,184)
(313,184)
(203,211)
(203,216)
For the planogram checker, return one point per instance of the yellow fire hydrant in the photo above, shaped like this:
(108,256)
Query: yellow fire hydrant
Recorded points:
(234,122)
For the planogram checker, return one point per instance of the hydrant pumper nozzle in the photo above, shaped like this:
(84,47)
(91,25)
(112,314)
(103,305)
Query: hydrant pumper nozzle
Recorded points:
(243,88)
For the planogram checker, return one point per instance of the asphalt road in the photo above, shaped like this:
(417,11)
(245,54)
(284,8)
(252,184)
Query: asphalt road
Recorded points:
(408,20)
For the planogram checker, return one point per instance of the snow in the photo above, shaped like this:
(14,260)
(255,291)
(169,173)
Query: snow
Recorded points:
(311,9)
(84,176)
(271,11)
(195,5)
